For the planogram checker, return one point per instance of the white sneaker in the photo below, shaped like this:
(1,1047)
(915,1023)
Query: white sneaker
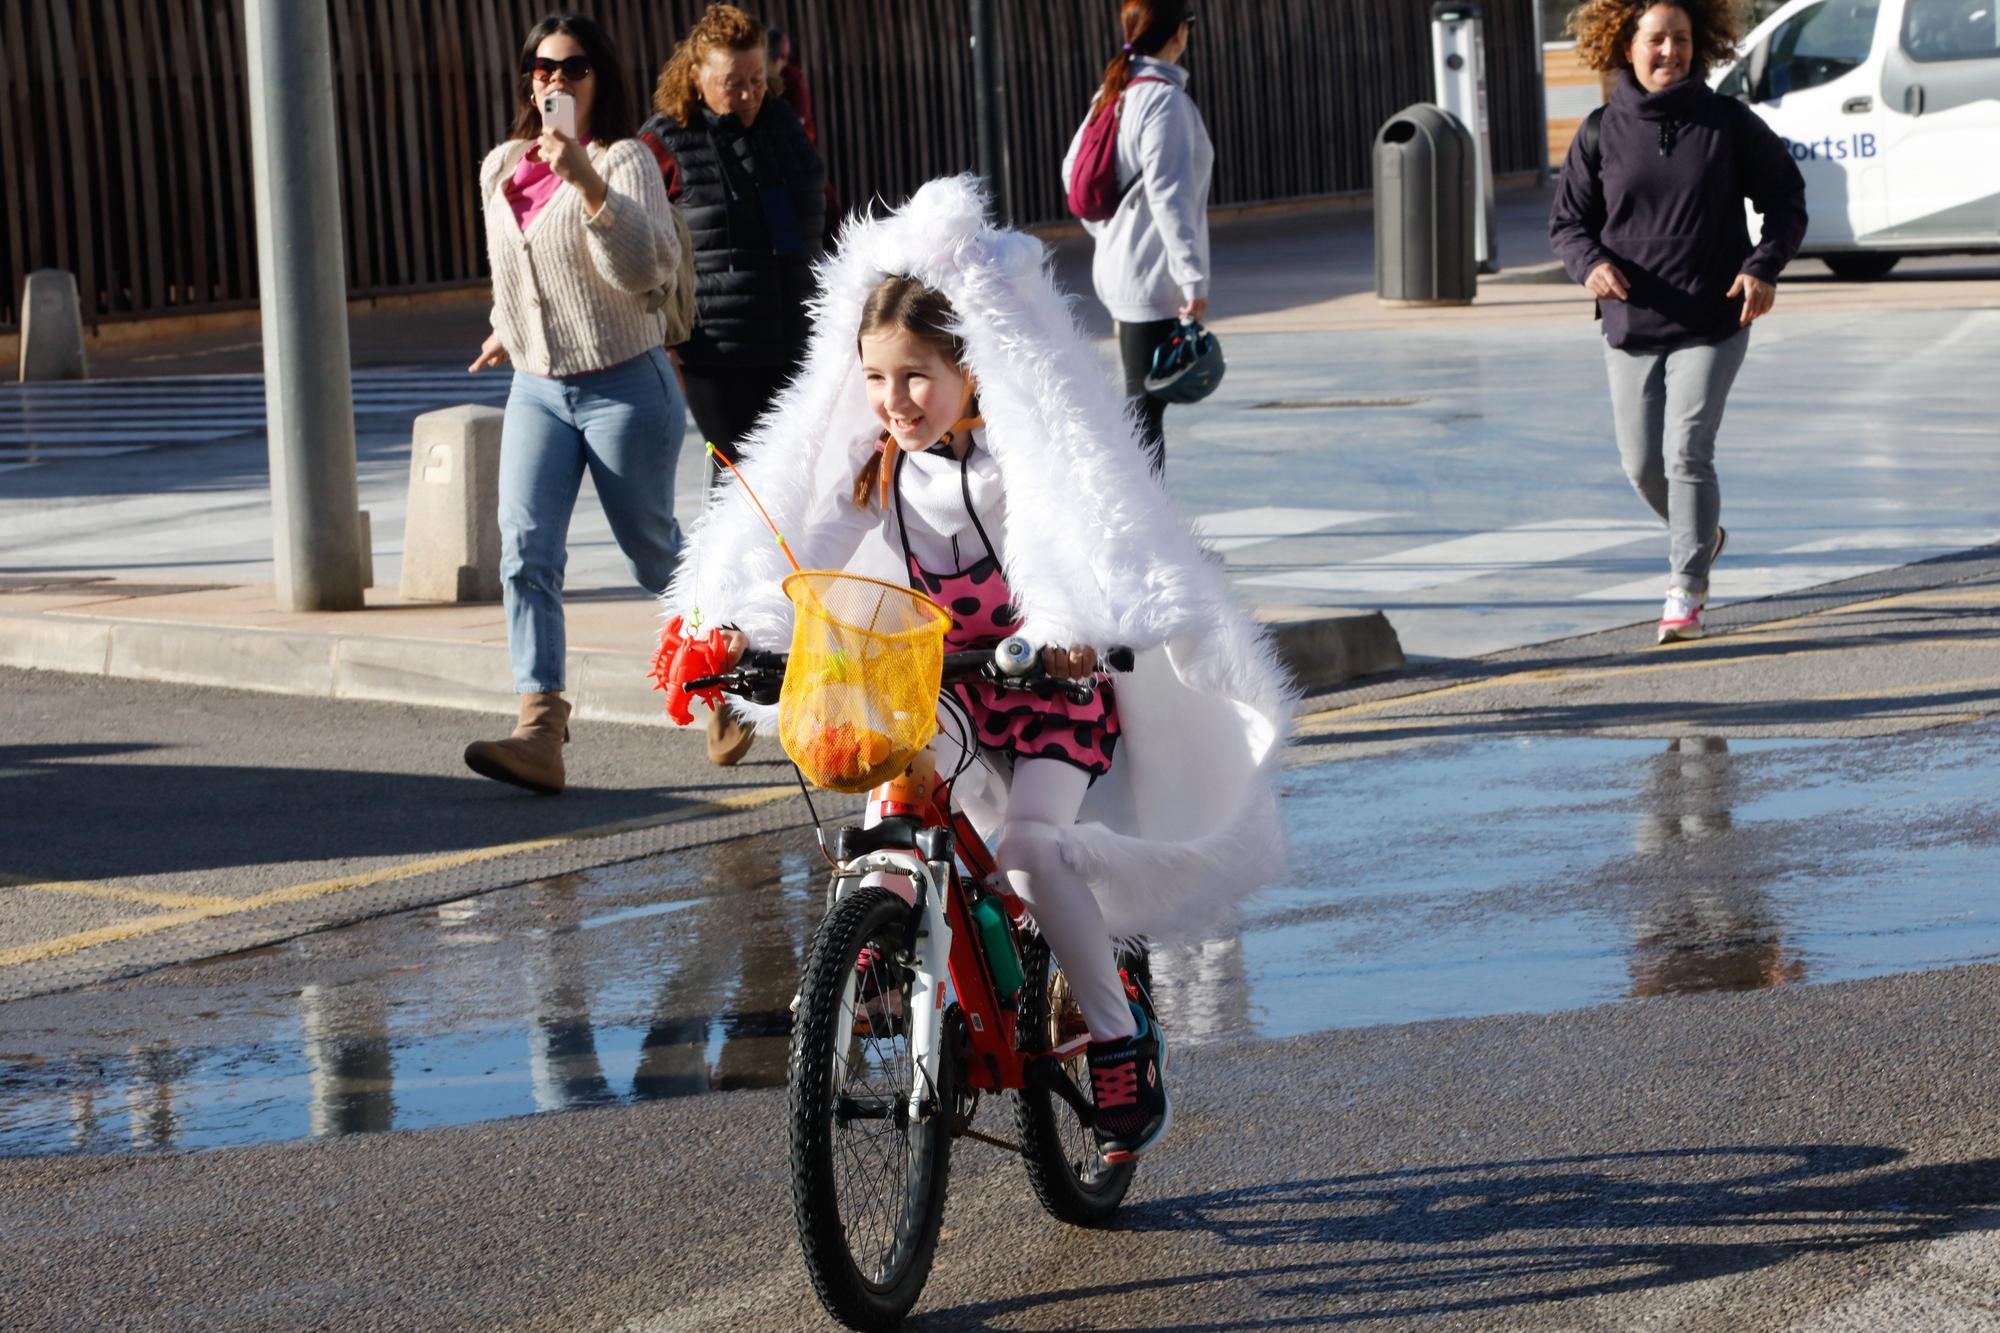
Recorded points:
(1680,618)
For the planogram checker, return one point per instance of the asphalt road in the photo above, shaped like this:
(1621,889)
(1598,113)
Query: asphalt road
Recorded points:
(146,824)
(1809,1157)
(1793,1159)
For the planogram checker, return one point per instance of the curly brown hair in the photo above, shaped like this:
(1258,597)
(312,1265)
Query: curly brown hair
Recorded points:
(721,28)
(1604,28)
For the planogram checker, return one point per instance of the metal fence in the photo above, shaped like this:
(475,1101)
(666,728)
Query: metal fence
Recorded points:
(125,136)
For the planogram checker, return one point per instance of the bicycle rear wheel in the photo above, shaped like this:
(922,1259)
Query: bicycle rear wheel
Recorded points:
(1069,1175)
(868,1180)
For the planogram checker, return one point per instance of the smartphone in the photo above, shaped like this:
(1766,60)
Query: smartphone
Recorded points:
(559,113)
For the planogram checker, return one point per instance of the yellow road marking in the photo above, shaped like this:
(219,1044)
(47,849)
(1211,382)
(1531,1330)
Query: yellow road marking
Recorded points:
(124,930)
(1700,713)
(1982,683)
(1933,597)
(203,909)
(93,889)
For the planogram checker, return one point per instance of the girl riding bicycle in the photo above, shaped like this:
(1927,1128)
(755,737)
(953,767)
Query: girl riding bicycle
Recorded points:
(953,431)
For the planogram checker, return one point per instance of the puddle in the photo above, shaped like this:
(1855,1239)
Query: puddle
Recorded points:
(1455,880)
(662,978)
(1530,875)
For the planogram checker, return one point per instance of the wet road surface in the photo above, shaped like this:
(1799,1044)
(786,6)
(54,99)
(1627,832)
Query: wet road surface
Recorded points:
(1459,879)
(1807,1157)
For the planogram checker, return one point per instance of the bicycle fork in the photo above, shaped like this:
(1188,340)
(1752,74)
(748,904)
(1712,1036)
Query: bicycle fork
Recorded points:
(929,946)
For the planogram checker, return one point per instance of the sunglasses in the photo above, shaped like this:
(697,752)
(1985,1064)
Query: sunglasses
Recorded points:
(574,68)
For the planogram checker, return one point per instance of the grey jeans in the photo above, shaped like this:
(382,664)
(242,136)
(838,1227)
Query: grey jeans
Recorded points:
(1667,406)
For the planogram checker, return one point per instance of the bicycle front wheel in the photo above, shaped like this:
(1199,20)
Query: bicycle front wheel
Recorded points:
(868,1176)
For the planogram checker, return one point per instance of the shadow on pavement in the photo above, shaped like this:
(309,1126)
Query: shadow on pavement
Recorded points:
(96,816)
(1628,648)
(1674,716)
(1493,1235)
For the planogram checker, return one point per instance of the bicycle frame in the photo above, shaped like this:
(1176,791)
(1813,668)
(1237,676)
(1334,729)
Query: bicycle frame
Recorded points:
(947,950)
(949,961)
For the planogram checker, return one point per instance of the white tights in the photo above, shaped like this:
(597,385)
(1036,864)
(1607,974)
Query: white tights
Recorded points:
(1043,798)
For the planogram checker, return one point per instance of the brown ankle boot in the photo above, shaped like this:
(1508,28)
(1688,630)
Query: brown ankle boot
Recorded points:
(729,736)
(532,756)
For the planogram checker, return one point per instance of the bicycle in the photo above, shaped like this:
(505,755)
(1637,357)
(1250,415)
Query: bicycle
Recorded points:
(909,1010)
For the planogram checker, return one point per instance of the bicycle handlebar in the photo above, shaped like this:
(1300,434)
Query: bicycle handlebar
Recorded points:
(1012,664)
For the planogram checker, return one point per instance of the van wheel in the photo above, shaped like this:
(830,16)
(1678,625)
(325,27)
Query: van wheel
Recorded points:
(1861,266)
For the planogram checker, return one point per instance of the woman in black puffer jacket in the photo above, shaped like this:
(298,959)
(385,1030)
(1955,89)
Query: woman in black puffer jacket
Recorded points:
(752,189)
(1649,217)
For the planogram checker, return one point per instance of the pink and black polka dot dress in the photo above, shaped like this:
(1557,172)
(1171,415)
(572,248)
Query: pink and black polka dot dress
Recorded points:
(1025,726)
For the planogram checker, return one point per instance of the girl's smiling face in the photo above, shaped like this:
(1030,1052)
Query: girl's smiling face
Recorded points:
(917,391)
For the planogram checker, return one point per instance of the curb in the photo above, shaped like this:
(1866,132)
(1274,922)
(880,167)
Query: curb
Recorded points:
(1319,647)
(1323,647)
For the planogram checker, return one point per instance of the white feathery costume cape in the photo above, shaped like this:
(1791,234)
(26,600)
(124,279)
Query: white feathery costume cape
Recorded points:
(1186,821)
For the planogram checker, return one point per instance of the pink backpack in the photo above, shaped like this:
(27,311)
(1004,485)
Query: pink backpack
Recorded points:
(1093,177)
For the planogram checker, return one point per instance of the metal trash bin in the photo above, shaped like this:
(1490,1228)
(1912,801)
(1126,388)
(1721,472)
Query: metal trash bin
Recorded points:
(1426,188)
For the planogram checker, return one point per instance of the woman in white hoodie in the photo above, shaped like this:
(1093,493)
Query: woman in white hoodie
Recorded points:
(1151,266)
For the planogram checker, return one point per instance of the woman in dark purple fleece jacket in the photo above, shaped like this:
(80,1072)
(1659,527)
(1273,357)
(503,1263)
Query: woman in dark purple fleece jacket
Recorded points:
(1650,219)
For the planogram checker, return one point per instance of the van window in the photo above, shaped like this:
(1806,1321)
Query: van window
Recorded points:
(1952,29)
(1819,44)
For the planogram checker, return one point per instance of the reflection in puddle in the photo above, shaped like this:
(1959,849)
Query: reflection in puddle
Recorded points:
(1515,875)
(1534,874)
(640,981)
(1703,928)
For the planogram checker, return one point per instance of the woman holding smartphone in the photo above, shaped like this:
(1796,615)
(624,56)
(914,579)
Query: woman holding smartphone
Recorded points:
(582,246)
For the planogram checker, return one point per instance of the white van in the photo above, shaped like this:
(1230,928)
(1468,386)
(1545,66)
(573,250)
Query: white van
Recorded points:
(1892,109)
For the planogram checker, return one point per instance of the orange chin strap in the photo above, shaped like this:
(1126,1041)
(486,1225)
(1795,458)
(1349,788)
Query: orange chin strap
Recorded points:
(885,479)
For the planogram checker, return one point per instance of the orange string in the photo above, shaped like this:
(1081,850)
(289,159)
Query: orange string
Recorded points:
(716,453)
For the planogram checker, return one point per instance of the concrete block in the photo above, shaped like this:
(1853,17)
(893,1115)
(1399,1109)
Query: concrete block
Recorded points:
(1324,646)
(451,530)
(54,643)
(475,676)
(618,687)
(234,658)
(51,327)
(366,549)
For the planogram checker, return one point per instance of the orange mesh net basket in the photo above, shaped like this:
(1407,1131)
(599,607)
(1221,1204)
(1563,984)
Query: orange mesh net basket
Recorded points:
(861,688)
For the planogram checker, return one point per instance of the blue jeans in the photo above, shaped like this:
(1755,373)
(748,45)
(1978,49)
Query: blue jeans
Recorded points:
(624,424)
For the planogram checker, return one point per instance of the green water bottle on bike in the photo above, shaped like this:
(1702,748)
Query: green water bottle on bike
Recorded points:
(997,941)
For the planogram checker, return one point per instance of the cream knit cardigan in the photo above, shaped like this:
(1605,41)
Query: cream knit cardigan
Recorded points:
(574,294)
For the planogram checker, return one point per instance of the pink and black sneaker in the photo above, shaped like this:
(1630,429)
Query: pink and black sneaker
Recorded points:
(1680,618)
(880,1012)
(1128,1088)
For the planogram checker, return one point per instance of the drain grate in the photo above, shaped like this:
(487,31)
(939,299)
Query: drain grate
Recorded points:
(1311,404)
